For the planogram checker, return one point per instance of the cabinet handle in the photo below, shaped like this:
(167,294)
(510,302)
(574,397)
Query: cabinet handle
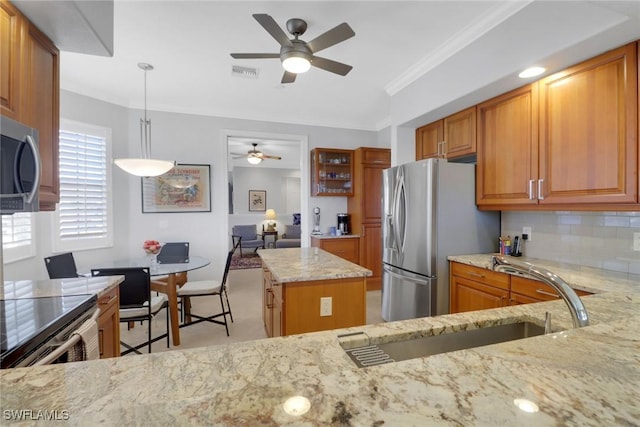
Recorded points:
(549,294)
(474,274)
(105,300)
(531,195)
(444,149)
(540,196)
(269,304)
(362,231)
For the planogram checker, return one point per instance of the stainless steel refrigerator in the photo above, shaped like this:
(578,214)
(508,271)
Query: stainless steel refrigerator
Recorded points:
(429,213)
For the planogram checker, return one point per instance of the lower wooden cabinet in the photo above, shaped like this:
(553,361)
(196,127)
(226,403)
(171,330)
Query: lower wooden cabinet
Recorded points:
(344,247)
(109,324)
(294,307)
(475,288)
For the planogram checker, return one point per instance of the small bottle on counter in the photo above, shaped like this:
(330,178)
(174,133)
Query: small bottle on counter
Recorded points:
(507,246)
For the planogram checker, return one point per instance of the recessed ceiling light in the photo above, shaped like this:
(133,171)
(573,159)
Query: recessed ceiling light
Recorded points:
(531,72)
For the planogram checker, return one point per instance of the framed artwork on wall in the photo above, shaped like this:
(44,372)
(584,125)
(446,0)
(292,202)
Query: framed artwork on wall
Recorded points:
(185,188)
(257,200)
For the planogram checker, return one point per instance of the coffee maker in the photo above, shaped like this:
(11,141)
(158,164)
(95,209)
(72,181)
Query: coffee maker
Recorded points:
(343,223)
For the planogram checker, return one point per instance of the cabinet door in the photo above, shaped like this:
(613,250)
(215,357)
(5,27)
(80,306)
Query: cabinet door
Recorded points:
(109,325)
(507,161)
(346,247)
(331,172)
(588,131)
(428,139)
(371,254)
(277,325)
(460,134)
(42,109)
(11,25)
(468,295)
(371,193)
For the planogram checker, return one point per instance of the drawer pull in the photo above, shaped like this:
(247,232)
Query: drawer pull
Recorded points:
(474,274)
(105,300)
(549,294)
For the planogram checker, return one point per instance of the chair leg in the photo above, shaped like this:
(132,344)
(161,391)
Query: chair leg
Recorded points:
(166,310)
(224,314)
(226,295)
(149,338)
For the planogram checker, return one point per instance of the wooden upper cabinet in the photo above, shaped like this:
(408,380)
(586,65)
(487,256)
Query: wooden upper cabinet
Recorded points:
(331,172)
(449,138)
(588,131)
(460,134)
(42,109)
(11,25)
(507,155)
(429,139)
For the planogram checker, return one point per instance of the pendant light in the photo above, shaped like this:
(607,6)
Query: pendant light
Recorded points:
(145,165)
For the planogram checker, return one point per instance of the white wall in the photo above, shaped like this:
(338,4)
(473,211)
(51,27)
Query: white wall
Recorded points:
(271,180)
(186,139)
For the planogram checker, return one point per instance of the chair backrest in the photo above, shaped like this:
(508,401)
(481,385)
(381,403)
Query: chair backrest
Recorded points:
(292,231)
(247,232)
(135,290)
(226,270)
(173,253)
(61,266)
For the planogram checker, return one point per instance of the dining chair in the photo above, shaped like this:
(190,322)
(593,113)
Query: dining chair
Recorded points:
(136,302)
(200,288)
(61,266)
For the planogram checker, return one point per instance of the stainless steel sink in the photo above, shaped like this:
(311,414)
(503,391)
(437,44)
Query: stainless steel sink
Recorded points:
(428,346)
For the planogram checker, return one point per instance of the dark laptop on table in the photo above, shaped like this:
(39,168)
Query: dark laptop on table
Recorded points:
(174,253)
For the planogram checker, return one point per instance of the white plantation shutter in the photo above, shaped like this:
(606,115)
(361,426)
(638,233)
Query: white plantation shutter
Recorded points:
(18,237)
(83,215)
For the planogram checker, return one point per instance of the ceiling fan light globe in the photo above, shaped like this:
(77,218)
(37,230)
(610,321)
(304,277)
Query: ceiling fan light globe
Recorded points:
(254,160)
(144,167)
(296,64)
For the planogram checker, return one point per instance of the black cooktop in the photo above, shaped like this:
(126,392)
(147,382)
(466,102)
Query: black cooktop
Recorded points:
(27,323)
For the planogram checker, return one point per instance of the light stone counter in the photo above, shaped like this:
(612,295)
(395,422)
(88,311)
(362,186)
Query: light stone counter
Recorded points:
(587,377)
(306,264)
(588,279)
(21,289)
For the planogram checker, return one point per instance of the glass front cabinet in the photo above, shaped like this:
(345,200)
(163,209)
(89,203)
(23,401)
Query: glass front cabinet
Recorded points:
(331,172)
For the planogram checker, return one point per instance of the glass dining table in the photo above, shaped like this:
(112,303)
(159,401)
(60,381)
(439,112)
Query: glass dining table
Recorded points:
(175,277)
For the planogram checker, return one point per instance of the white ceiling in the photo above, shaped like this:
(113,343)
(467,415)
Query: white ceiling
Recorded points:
(189,42)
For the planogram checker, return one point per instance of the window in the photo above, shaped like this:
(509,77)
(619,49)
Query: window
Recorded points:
(18,237)
(83,218)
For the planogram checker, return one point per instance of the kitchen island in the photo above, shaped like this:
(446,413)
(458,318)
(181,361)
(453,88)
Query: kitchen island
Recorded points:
(588,376)
(309,289)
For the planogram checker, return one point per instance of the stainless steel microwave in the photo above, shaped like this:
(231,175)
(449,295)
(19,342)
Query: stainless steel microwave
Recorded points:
(19,167)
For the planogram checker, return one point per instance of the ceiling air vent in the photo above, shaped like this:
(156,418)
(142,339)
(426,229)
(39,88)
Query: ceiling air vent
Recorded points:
(251,73)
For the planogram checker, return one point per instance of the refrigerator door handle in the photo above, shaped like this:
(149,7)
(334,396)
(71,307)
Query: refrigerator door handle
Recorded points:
(400,216)
(414,278)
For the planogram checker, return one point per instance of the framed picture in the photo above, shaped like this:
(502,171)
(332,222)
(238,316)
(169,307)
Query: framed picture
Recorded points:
(185,188)
(257,200)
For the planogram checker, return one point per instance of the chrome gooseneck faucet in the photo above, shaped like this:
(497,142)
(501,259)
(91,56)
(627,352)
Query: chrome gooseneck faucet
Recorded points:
(579,314)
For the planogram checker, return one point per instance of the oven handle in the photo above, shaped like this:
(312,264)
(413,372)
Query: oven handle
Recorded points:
(67,345)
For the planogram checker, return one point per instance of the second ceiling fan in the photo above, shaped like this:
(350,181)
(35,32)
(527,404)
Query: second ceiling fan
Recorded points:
(298,56)
(254,156)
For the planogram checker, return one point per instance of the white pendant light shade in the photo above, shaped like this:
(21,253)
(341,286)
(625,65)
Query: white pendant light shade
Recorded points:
(144,167)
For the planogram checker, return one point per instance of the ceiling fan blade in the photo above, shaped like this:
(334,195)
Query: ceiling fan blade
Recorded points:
(335,35)
(273,28)
(255,55)
(329,65)
(288,77)
(266,156)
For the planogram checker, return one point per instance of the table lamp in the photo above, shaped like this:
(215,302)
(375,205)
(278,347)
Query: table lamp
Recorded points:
(270,215)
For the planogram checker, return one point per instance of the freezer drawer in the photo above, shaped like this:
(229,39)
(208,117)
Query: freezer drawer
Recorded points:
(406,295)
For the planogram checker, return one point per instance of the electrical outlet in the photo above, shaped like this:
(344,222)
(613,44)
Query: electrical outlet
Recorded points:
(636,241)
(527,231)
(325,306)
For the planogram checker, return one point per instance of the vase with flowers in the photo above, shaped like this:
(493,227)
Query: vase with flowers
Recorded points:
(151,247)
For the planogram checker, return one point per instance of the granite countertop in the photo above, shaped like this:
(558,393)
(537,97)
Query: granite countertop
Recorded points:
(305,264)
(21,289)
(329,236)
(588,279)
(588,376)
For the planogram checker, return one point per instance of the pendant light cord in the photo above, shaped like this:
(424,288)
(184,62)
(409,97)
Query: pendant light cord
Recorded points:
(145,124)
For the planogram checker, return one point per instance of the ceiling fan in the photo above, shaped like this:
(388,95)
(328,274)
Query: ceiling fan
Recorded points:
(254,156)
(298,56)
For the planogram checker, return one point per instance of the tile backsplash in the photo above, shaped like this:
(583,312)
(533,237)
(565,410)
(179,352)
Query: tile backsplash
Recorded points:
(595,239)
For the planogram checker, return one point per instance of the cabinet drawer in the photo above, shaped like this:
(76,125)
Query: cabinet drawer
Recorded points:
(346,248)
(482,275)
(376,156)
(108,299)
(536,289)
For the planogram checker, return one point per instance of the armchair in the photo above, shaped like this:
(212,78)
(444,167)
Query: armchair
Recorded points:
(290,237)
(246,237)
